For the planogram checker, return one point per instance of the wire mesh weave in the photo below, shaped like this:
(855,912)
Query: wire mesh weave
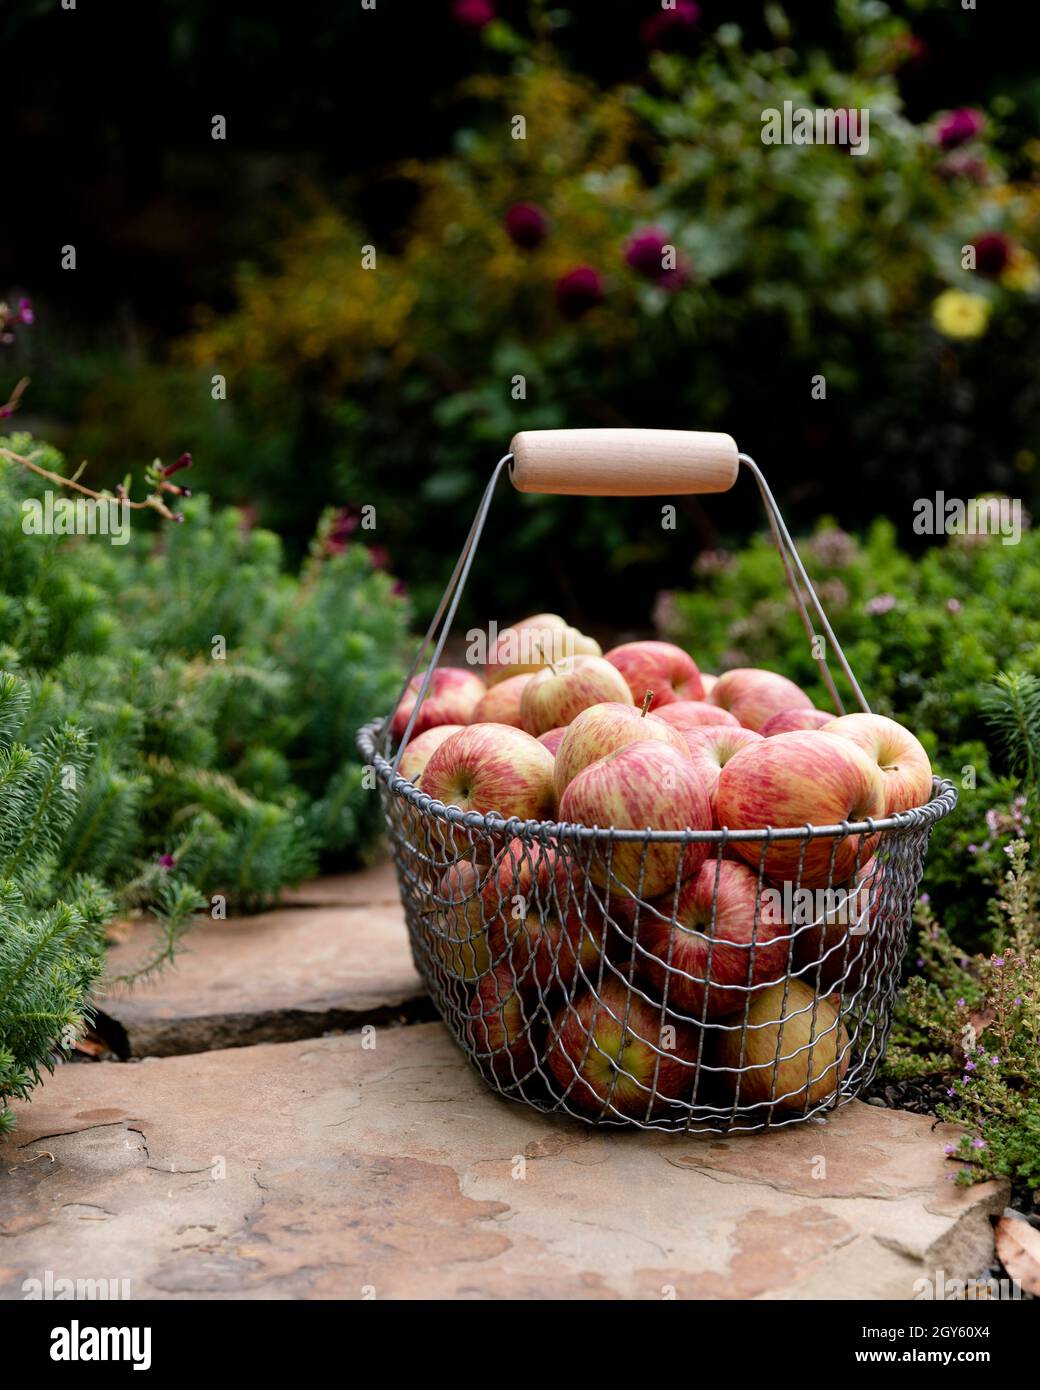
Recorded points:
(673,980)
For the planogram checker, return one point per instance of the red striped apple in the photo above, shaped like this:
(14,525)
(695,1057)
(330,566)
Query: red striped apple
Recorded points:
(533,643)
(710,748)
(904,764)
(541,920)
(501,704)
(641,786)
(720,944)
(694,714)
(790,720)
(420,750)
(555,695)
(603,729)
(794,780)
(612,1053)
(795,1051)
(754,696)
(658,666)
(833,950)
(499,1028)
(492,767)
(451,699)
(458,937)
(552,739)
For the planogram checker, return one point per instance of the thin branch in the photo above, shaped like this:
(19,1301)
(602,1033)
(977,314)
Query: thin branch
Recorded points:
(152,503)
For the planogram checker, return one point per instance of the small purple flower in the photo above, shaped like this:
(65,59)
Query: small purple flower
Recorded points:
(670,27)
(953,605)
(925,899)
(961,1003)
(527,225)
(578,291)
(949,1149)
(994,1061)
(166,861)
(973,849)
(951,1092)
(960,126)
(24,313)
(473,14)
(992,253)
(978,1143)
(882,603)
(998,961)
(969,1065)
(919,962)
(645,253)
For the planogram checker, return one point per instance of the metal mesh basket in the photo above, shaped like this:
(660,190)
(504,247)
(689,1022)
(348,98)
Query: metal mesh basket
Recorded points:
(670,979)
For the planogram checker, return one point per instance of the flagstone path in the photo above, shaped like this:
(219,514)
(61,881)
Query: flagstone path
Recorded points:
(260,1143)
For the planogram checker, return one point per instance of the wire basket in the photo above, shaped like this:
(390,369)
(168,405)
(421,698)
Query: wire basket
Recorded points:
(708,980)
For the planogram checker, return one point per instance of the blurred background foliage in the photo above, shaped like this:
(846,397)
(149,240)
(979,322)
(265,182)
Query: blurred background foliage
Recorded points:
(397,385)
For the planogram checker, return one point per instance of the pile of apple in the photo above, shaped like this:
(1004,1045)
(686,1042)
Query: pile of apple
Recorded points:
(641,739)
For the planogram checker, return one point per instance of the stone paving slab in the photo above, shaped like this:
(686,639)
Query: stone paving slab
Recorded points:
(293,973)
(328,1169)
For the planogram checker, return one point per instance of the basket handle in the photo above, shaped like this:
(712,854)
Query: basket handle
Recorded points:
(623,462)
(595,463)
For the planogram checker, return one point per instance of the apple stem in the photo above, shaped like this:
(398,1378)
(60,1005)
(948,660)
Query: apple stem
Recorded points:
(647,698)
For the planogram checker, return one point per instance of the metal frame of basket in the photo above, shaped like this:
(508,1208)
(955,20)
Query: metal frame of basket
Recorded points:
(574,988)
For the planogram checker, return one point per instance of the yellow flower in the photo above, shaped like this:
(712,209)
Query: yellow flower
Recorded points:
(957,314)
(1021,273)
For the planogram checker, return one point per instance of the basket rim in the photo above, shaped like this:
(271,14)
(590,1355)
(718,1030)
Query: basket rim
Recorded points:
(942,801)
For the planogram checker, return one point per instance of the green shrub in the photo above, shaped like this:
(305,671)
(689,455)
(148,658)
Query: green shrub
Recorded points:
(223,692)
(979,1017)
(51,925)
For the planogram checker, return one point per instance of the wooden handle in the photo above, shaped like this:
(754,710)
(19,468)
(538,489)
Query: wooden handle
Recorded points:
(622,463)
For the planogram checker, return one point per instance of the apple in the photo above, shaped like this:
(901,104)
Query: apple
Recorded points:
(610,1054)
(459,939)
(694,714)
(789,720)
(833,950)
(499,1028)
(554,695)
(501,704)
(493,767)
(420,750)
(904,764)
(796,1051)
(710,959)
(533,643)
(796,779)
(642,785)
(658,666)
(602,729)
(754,696)
(451,699)
(710,748)
(552,739)
(541,920)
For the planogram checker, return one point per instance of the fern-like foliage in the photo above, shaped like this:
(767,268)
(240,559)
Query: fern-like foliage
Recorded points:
(51,946)
(1011,707)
